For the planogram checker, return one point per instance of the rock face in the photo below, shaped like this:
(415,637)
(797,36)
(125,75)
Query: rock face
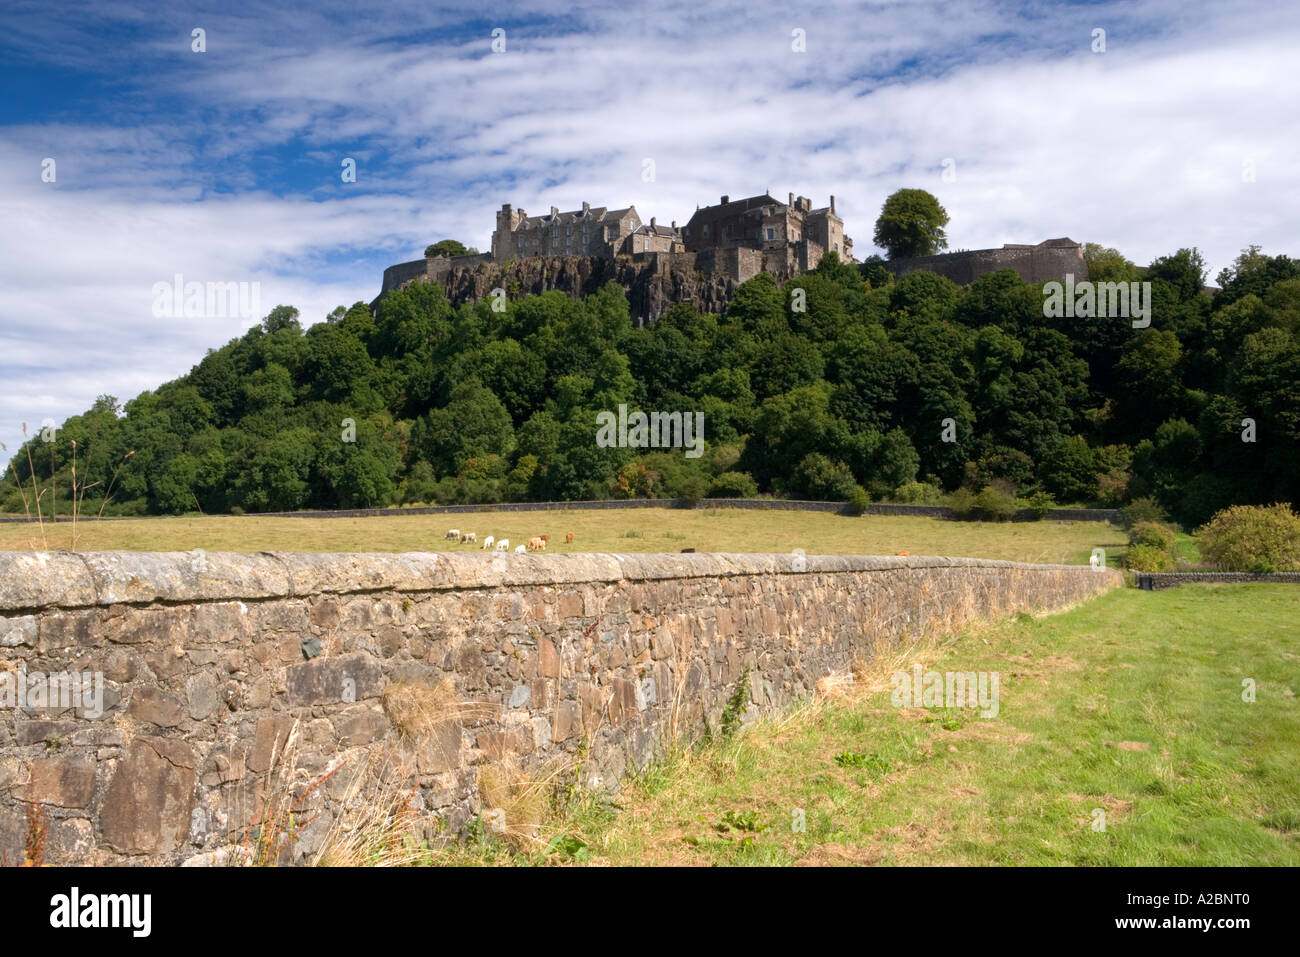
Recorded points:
(204,709)
(653,282)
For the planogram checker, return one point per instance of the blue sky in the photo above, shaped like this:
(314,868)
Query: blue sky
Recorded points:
(224,166)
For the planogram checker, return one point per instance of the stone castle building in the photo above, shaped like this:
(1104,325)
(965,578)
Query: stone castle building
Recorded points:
(720,247)
(792,236)
(784,239)
(590,231)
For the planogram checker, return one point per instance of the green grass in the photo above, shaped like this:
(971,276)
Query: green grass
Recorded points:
(1131,704)
(642,530)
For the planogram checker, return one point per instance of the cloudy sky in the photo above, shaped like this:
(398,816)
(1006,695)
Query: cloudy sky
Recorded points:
(225,165)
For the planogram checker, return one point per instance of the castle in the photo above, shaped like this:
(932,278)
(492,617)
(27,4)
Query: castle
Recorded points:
(784,239)
(702,263)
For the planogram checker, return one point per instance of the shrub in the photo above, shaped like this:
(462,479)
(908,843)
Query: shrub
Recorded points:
(859,500)
(962,502)
(1152,534)
(995,505)
(236,510)
(1142,510)
(819,477)
(693,488)
(1253,538)
(1148,558)
(1040,502)
(918,493)
(733,485)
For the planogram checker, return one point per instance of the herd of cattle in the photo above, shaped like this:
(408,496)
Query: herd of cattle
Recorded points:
(537,544)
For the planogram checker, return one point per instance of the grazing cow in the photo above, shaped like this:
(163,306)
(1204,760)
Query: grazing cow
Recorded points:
(503,545)
(545,538)
(568,538)
(519,549)
(684,550)
(487,542)
(903,553)
(452,533)
(467,537)
(536,544)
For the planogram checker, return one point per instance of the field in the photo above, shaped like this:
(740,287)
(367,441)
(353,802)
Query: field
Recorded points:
(632,530)
(1122,738)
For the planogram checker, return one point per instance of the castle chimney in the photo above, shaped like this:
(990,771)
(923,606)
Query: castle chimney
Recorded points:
(674,224)
(832,204)
(555,211)
(726,200)
(652,222)
(790,202)
(586,207)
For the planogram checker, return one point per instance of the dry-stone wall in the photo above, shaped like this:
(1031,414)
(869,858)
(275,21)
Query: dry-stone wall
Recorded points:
(223,675)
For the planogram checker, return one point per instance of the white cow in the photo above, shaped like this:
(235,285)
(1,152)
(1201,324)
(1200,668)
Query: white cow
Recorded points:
(466,537)
(520,549)
(452,533)
(503,545)
(487,542)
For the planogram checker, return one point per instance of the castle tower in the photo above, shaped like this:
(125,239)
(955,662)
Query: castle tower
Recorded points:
(503,237)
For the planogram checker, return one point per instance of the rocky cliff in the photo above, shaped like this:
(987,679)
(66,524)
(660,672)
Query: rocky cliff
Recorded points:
(653,282)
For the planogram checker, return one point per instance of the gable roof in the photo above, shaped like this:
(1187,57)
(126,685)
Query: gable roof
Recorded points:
(596,215)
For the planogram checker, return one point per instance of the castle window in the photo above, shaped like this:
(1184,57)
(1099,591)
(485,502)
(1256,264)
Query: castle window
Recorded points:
(771,233)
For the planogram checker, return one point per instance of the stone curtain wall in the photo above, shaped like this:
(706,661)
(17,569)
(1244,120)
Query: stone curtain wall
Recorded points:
(1034,264)
(213,663)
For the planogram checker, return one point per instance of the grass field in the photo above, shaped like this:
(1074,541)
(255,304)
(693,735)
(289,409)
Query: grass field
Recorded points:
(632,530)
(1128,710)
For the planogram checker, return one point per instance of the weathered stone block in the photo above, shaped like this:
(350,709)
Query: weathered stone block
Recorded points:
(63,781)
(269,741)
(548,659)
(360,728)
(147,806)
(152,704)
(439,750)
(341,680)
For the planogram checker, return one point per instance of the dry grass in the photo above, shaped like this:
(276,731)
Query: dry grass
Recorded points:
(377,829)
(418,710)
(638,530)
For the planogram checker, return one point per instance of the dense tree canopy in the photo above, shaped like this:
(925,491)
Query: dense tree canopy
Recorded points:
(867,382)
(911,223)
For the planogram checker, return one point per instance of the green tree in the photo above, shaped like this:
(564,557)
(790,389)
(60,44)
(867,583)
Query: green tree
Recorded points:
(911,223)
(445,247)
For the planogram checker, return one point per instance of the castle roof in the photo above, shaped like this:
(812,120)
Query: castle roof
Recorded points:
(595,214)
(657,230)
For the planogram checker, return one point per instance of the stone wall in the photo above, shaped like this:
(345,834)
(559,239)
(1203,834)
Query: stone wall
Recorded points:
(1049,260)
(216,666)
(1157,581)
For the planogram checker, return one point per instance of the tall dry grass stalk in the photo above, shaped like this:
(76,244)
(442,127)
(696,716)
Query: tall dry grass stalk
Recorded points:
(31,471)
(375,830)
(516,805)
(269,838)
